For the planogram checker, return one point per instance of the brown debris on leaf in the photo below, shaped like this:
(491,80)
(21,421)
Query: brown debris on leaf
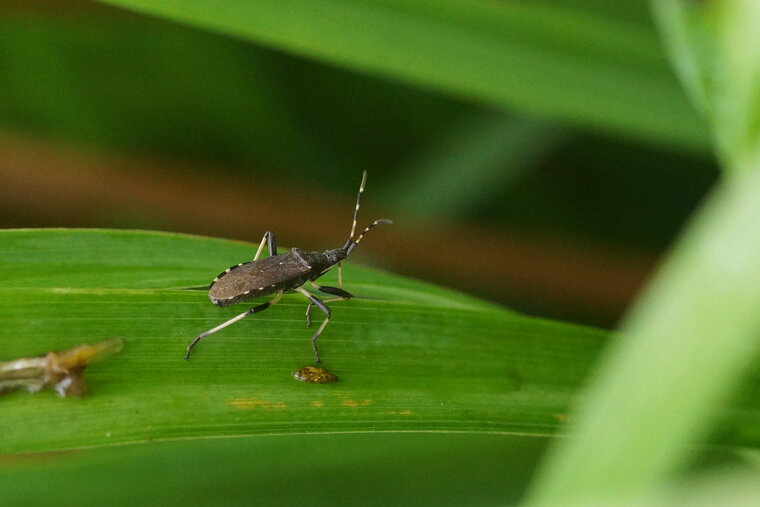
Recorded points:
(315,375)
(61,371)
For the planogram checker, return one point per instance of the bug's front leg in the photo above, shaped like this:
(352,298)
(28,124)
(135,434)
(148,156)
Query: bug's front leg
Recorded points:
(341,294)
(314,300)
(310,305)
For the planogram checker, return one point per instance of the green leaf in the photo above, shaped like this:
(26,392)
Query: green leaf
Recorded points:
(549,60)
(684,349)
(689,40)
(484,155)
(692,339)
(410,356)
(319,469)
(715,47)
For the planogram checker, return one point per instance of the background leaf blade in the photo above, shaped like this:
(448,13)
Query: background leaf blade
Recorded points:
(547,61)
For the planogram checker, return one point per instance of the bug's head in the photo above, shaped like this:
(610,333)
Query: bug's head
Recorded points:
(351,242)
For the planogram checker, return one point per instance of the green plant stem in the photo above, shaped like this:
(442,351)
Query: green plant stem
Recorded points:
(715,48)
(681,352)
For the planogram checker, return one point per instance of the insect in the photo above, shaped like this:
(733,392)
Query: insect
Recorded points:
(280,273)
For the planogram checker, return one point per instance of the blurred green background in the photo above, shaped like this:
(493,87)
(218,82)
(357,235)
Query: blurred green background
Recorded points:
(541,155)
(113,119)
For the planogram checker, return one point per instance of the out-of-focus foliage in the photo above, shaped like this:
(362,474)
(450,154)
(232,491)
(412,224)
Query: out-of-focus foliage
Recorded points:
(696,326)
(142,85)
(560,117)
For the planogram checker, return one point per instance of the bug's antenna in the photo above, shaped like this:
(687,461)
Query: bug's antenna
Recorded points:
(356,210)
(370,226)
(351,244)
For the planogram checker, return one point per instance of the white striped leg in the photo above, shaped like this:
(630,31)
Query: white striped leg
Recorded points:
(250,311)
(271,243)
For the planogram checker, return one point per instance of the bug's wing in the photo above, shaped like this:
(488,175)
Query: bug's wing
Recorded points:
(275,270)
(259,278)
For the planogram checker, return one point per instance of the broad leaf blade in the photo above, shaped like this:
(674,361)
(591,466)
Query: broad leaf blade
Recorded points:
(410,356)
(547,60)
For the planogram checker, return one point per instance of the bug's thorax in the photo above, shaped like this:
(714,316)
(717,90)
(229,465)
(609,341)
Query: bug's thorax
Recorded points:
(320,262)
(335,255)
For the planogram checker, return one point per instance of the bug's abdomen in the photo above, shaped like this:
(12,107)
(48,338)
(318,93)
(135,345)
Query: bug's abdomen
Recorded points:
(259,278)
(230,290)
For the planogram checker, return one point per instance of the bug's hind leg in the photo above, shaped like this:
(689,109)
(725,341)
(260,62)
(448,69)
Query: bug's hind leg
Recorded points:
(271,243)
(313,300)
(250,311)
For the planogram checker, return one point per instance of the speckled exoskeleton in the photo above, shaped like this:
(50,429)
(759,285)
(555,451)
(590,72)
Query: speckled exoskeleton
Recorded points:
(280,273)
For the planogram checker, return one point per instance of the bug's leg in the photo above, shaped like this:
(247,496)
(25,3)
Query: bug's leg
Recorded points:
(308,314)
(334,291)
(271,243)
(313,300)
(310,305)
(250,311)
(261,247)
(341,294)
